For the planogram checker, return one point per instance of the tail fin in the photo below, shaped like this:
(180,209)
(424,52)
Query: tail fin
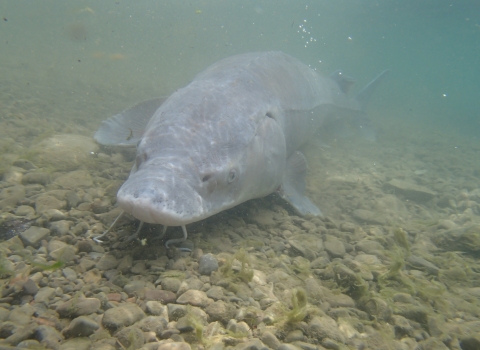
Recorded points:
(364,96)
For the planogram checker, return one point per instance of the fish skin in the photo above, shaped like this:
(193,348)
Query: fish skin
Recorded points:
(229,136)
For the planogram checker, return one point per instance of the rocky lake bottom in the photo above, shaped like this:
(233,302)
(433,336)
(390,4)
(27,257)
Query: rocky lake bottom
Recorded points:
(393,264)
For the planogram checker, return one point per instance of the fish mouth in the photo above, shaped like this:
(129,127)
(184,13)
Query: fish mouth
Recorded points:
(166,200)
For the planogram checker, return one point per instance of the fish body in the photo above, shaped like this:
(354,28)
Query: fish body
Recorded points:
(229,136)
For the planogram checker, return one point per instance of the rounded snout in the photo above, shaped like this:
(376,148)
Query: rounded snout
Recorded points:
(160,199)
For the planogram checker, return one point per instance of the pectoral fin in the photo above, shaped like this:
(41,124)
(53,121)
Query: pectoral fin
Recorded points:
(127,127)
(294,184)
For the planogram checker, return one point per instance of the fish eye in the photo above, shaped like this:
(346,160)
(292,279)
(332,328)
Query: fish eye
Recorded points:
(232,176)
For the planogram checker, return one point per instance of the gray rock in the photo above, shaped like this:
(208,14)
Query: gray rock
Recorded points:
(29,344)
(366,216)
(44,295)
(33,235)
(378,309)
(125,264)
(4,315)
(81,326)
(10,196)
(156,324)
(295,335)
(270,340)
(21,315)
(215,293)
(64,254)
(122,316)
(139,268)
(207,264)
(45,202)
(78,306)
(75,179)
(60,228)
(72,199)
(175,311)
(335,248)
(131,337)
(76,344)
(368,246)
(220,311)
(165,296)
(69,274)
(156,308)
(175,346)
(254,344)
(48,336)
(134,286)
(170,283)
(321,327)
(24,164)
(38,177)
(107,262)
(64,151)
(30,288)
(410,191)
(195,298)
(417,262)
(25,210)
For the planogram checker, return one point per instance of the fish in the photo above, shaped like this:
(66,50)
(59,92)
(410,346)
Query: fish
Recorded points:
(231,135)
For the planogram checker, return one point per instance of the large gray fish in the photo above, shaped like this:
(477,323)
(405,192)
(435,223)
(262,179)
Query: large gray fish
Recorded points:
(231,135)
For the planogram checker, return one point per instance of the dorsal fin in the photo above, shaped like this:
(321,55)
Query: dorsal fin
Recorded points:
(127,127)
(343,81)
(364,96)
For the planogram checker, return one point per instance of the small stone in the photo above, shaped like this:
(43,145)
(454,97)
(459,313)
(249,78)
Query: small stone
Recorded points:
(39,177)
(64,254)
(156,324)
(130,338)
(24,164)
(72,199)
(295,335)
(270,340)
(321,327)
(122,316)
(207,264)
(84,246)
(45,202)
(30,287)
(155,308)
(25,210)
(134,286)
(33,235)
(368,246)
(378,308)
(69,274)
(60,228)
(49,336)
(75,179)
(368,217)
(195,298)
(410,191)
(107,262)
(139,268)
(175,311)
(171,283)
(215,293)
(78,306)
(220,311)
(164,296)
(44,295)
(335,248)
(10,196)
(175,346)
(81,326)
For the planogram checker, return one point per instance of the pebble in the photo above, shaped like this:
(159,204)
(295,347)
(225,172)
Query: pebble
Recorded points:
(207,264)
(107,262)
(121,316)
(33,235)
(78,306)
(81,326)
(164,296)
(321,327)
(130,337)
(195,298)
(334,247)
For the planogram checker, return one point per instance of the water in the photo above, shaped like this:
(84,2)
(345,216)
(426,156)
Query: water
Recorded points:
(67,65)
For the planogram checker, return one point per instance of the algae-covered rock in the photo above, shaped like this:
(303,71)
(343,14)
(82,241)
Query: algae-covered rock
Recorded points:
(62,152)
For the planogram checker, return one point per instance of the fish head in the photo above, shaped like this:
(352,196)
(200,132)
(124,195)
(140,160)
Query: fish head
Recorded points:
(198,166)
